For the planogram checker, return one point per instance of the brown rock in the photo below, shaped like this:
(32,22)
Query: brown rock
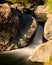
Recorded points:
(27,27)
(13,6)
(8,24)
(40,13)
(5,10)
(18,6)
(42,52)
(48,28)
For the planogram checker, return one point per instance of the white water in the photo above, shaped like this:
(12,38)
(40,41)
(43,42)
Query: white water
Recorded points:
(26,51)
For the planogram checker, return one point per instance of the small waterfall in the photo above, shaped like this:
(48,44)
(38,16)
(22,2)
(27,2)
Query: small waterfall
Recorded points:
(38,38)
(22,55)
(26,51)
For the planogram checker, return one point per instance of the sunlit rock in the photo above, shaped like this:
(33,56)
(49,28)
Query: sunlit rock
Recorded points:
(48,28)
(5,10)
(40,13)
(42,52)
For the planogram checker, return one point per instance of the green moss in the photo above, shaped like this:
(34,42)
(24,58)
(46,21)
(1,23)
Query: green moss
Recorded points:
(12,1)
(24,2)
(49,61)
(49,4)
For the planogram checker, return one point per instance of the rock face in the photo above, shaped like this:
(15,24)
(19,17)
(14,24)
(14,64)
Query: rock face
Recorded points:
(18,6)
(27,27)
(40,13)
(42,52)
(15,28)
(8,25)
(48,28)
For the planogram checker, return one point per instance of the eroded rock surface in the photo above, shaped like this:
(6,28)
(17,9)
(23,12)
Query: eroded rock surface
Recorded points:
(27,28)
(48,28)
(15,28)
(8,26)
(40,13)
(42,52)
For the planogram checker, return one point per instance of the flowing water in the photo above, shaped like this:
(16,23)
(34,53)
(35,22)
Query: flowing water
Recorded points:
(21,56)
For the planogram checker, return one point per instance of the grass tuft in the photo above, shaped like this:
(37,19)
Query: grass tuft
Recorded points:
(49,61)
(49,4)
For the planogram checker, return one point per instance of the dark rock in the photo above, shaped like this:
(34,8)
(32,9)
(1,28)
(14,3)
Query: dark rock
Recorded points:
(18,6)
(27,27)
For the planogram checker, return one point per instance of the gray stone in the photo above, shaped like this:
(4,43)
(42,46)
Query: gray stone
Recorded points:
(38,37)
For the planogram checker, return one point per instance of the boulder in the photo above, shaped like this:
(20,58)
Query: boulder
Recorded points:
(13,6)
(27,27)
(16,28)
(8,25)
(48,28)
(42,52)
(40,13)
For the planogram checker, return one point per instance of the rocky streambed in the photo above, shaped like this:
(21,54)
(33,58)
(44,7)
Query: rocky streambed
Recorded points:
(25,34)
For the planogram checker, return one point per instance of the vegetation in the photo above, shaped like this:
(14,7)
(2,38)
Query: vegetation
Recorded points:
(49,4)
(12,1)
(24,2)
(49,61)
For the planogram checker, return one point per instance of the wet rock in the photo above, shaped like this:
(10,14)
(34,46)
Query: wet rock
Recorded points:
(40,13)
(48,28)
(42,52)
(38,37)
(26,29)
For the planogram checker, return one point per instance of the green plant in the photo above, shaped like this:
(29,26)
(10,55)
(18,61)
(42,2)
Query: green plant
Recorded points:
(49,61)
(49,4)
(24,2)
(12,1)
